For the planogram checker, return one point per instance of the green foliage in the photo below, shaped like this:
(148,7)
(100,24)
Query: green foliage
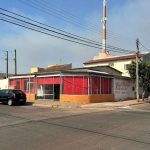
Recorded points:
(144,72)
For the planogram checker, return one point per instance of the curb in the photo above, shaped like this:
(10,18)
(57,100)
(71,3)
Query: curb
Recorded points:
(86,106)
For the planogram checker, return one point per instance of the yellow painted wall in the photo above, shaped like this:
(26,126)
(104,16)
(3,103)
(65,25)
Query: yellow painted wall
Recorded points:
(33,70)
(31,96)
(85,99)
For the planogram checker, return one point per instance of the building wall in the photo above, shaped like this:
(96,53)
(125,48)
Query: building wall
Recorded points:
(119,65)
(125,89)
(4,84)
(86,99)
(37,69)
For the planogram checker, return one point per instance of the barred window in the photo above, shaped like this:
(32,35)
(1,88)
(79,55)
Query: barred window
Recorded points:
(28,85)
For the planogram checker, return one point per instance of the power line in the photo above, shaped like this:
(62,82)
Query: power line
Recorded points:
(68,36)
(144,47)
(45,25)
(115,50)
(97,43)
(98,31)
(57,33)
(73,16)
(10,21)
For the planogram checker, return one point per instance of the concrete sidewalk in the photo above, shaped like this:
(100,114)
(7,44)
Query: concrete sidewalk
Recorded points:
(57,104)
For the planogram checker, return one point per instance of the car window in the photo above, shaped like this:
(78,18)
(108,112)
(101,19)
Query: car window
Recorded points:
(10,92)
(18,92)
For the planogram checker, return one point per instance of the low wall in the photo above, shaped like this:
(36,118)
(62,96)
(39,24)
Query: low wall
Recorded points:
(31,96)
(85,99)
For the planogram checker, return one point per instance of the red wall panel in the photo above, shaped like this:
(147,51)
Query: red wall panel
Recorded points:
(75,85)
(49,80)
(67,85)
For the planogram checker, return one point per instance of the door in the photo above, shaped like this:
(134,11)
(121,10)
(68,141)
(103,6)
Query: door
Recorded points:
(56,91)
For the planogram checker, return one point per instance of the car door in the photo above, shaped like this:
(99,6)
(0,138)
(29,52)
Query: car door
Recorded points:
(4,95)
(0,96)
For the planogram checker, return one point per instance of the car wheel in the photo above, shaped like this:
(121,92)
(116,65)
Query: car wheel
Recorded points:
(10,102)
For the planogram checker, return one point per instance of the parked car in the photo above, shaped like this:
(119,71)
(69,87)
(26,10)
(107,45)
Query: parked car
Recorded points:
(12,97)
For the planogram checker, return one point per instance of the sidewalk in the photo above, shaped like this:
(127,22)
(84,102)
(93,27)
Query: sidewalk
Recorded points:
(57,104)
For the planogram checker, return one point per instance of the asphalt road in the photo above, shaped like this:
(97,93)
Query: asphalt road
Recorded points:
(36,128)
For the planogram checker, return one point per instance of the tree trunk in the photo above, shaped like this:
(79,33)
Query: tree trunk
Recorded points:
(143,95)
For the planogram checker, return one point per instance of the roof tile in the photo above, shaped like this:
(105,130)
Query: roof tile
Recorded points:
(109,59)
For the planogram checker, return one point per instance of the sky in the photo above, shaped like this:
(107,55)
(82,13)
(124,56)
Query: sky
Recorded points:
(128,18)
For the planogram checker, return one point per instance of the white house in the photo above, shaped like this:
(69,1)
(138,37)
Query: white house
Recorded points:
(117,62)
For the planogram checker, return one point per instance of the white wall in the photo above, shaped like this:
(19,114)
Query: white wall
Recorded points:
(125,89)
(4,84)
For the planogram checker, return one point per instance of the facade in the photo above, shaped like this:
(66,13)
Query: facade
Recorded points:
(117,62)
(84,86)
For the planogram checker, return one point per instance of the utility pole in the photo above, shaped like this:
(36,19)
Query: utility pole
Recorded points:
(137,69)
(15,60)
(6,64)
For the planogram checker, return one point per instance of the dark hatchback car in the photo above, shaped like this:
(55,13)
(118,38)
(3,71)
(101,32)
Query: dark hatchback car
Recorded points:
(12,97)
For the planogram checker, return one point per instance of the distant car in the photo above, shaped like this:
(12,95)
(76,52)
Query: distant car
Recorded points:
(12,97)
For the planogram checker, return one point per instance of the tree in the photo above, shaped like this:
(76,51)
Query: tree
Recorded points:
(144,74)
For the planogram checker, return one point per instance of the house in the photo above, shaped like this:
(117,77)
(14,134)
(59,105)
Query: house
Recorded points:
(80,85)
(117,62)
(50,68)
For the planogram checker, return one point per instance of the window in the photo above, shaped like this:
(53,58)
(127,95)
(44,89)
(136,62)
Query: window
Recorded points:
(126,66)
(28,85)
(111,64)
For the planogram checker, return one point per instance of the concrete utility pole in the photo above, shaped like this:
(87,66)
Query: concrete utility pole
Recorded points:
(15,60)
(6,64)
(104,21)
(137,69)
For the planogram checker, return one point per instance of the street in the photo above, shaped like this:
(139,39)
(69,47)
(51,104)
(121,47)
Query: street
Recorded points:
(38,128)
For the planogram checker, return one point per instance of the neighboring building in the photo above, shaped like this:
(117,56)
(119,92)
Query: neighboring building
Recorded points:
(107,69)
(118,62)
(51,68)
(36,69)
(4,84)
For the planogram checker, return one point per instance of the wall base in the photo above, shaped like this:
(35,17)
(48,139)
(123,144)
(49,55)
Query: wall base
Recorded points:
(85,99)
(31,96)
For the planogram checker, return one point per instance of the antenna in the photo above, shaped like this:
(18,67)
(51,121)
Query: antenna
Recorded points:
(104,21)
